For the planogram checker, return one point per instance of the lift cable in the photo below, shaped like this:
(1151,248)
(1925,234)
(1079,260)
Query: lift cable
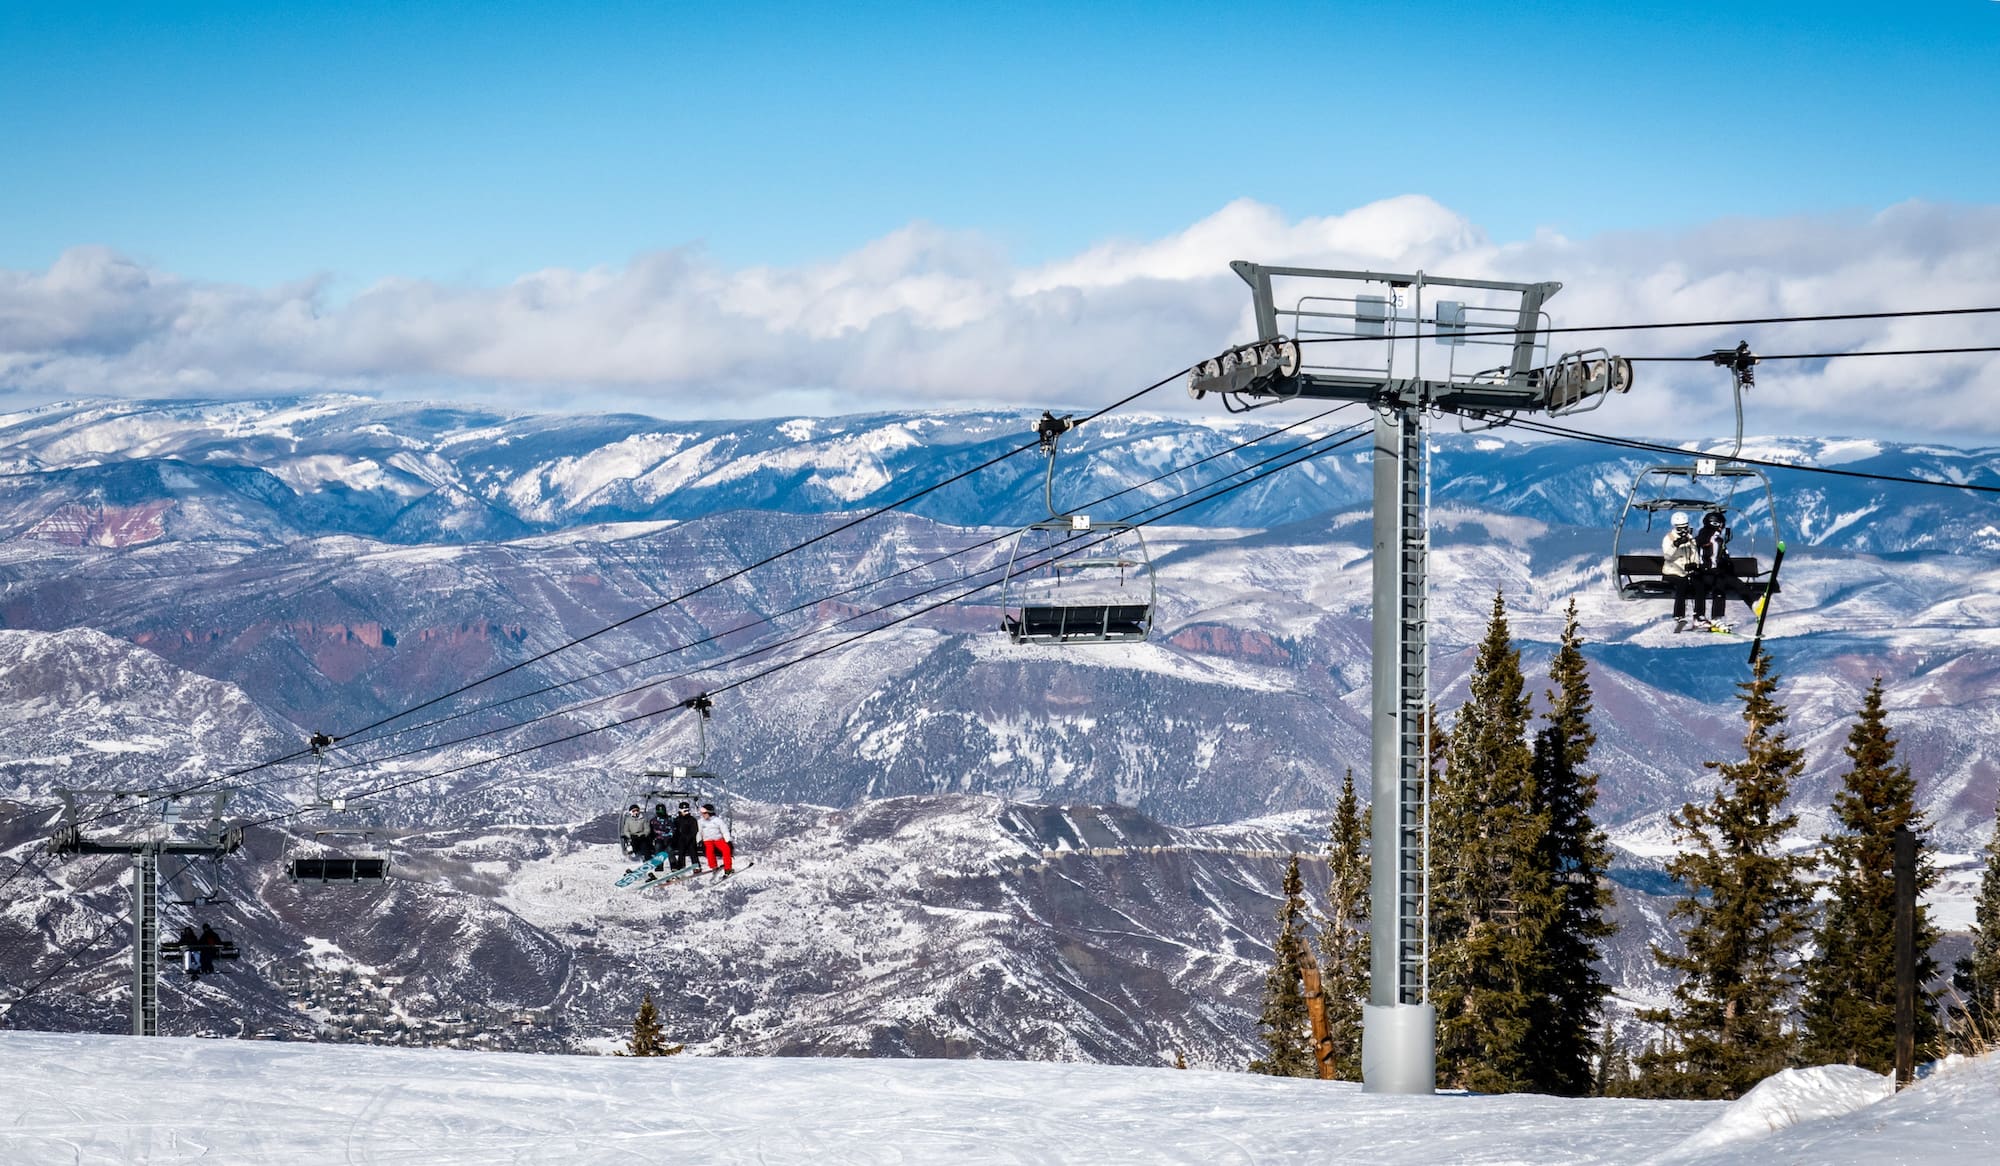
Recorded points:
(850,524)
(675,600)
(863,586)
(74,953)
(1677,451)
(1828,355)
(782,665)
(1457,334)
(819,629)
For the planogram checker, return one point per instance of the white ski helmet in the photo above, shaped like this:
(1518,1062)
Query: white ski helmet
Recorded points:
(1680,518)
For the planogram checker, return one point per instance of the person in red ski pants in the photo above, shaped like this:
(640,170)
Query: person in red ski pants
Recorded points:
(715,839)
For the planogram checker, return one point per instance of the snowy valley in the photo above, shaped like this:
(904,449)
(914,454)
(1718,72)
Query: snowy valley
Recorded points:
(964,848)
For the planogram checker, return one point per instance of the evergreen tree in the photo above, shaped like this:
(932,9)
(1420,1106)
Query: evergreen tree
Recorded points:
(1284,1025)
(1492,900)
(1850,998)
(1577,855)
(648,1038)
(1742,920)
(1343,937)
(1976,1023)
(1614,1067)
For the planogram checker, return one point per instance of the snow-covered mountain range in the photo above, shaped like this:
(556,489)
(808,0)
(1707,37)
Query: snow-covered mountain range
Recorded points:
(194,587)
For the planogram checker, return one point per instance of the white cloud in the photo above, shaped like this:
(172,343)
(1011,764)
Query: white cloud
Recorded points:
(927,316)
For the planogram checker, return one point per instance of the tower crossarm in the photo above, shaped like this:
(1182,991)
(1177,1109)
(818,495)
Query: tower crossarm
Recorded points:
(1475,347)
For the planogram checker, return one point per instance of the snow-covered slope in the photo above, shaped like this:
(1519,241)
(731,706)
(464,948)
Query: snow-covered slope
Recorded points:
(80,1100)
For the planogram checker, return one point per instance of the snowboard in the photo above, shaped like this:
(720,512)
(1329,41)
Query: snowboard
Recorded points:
(654,870)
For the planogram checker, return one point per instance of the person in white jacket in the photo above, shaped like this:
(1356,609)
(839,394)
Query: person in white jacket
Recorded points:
(1680,559)
(715,839)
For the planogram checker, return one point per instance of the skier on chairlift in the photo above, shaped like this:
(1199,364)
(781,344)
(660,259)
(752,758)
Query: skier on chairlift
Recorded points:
(661,830)
(1680,559)
(634,834)
(686,836)
(715,839)
(1714,574)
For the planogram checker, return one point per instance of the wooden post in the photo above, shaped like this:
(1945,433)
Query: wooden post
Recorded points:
(1316,1010)
(1906,955)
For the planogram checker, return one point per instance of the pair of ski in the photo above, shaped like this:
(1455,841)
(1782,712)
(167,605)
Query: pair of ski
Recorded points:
(653,872)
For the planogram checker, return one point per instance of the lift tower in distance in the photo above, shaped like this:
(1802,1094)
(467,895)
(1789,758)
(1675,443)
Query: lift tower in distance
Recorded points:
(1409,346)
(213,839)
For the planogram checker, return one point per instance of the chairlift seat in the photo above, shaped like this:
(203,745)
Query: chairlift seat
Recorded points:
(1097,623)
(1644,576)
(226,950)
(338,870)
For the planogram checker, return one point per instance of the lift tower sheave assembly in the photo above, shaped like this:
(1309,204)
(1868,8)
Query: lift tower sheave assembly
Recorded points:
(1362,336)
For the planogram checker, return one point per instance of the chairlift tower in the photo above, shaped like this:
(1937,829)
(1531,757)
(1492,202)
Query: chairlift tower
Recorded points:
(1362,336)
(216,840)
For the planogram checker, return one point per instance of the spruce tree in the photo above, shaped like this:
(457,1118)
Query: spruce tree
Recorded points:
(1343,937)
(1614,1068)
(1283,1024)
(1492,900)
(1850,999)
(648,1037)
(1976,1018)
(1577,855)
(1742,920)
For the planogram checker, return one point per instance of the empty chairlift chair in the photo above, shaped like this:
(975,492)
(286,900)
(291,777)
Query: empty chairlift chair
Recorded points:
(340,854)
(337,867)
(1071,580)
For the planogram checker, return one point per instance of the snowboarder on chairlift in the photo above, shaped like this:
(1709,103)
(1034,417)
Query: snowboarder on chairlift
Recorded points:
(715,839)
(660,830)
(687,835)
(634,834)
(1714,574)
(1680,559)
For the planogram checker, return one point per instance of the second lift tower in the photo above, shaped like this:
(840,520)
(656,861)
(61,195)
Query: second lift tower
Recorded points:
(1408,346)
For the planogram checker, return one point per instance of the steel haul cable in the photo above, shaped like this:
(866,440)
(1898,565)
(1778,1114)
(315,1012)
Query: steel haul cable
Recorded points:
(1170,472)
(681,598)
(820,629)
(807,633)
(404,783)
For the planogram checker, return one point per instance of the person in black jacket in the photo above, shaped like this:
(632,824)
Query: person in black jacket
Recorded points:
(660,830)
(686,830)
(1713,577)
(208,945)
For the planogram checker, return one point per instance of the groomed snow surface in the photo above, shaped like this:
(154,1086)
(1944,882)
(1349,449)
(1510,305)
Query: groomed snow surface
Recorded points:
(75,1099)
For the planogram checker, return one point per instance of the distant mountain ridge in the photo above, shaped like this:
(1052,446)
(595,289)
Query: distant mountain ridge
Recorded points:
(414,473)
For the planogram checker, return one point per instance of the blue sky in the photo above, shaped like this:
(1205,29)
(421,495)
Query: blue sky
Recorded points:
(766,208)
(262,142)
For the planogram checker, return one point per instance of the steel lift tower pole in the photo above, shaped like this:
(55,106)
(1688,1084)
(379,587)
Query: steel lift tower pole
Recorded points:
(146,847)
(1360,336)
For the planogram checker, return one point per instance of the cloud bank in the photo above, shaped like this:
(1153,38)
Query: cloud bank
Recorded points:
(926,317)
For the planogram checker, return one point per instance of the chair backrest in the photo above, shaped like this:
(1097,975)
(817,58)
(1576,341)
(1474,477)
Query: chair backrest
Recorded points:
(339,870)
(1082,623)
